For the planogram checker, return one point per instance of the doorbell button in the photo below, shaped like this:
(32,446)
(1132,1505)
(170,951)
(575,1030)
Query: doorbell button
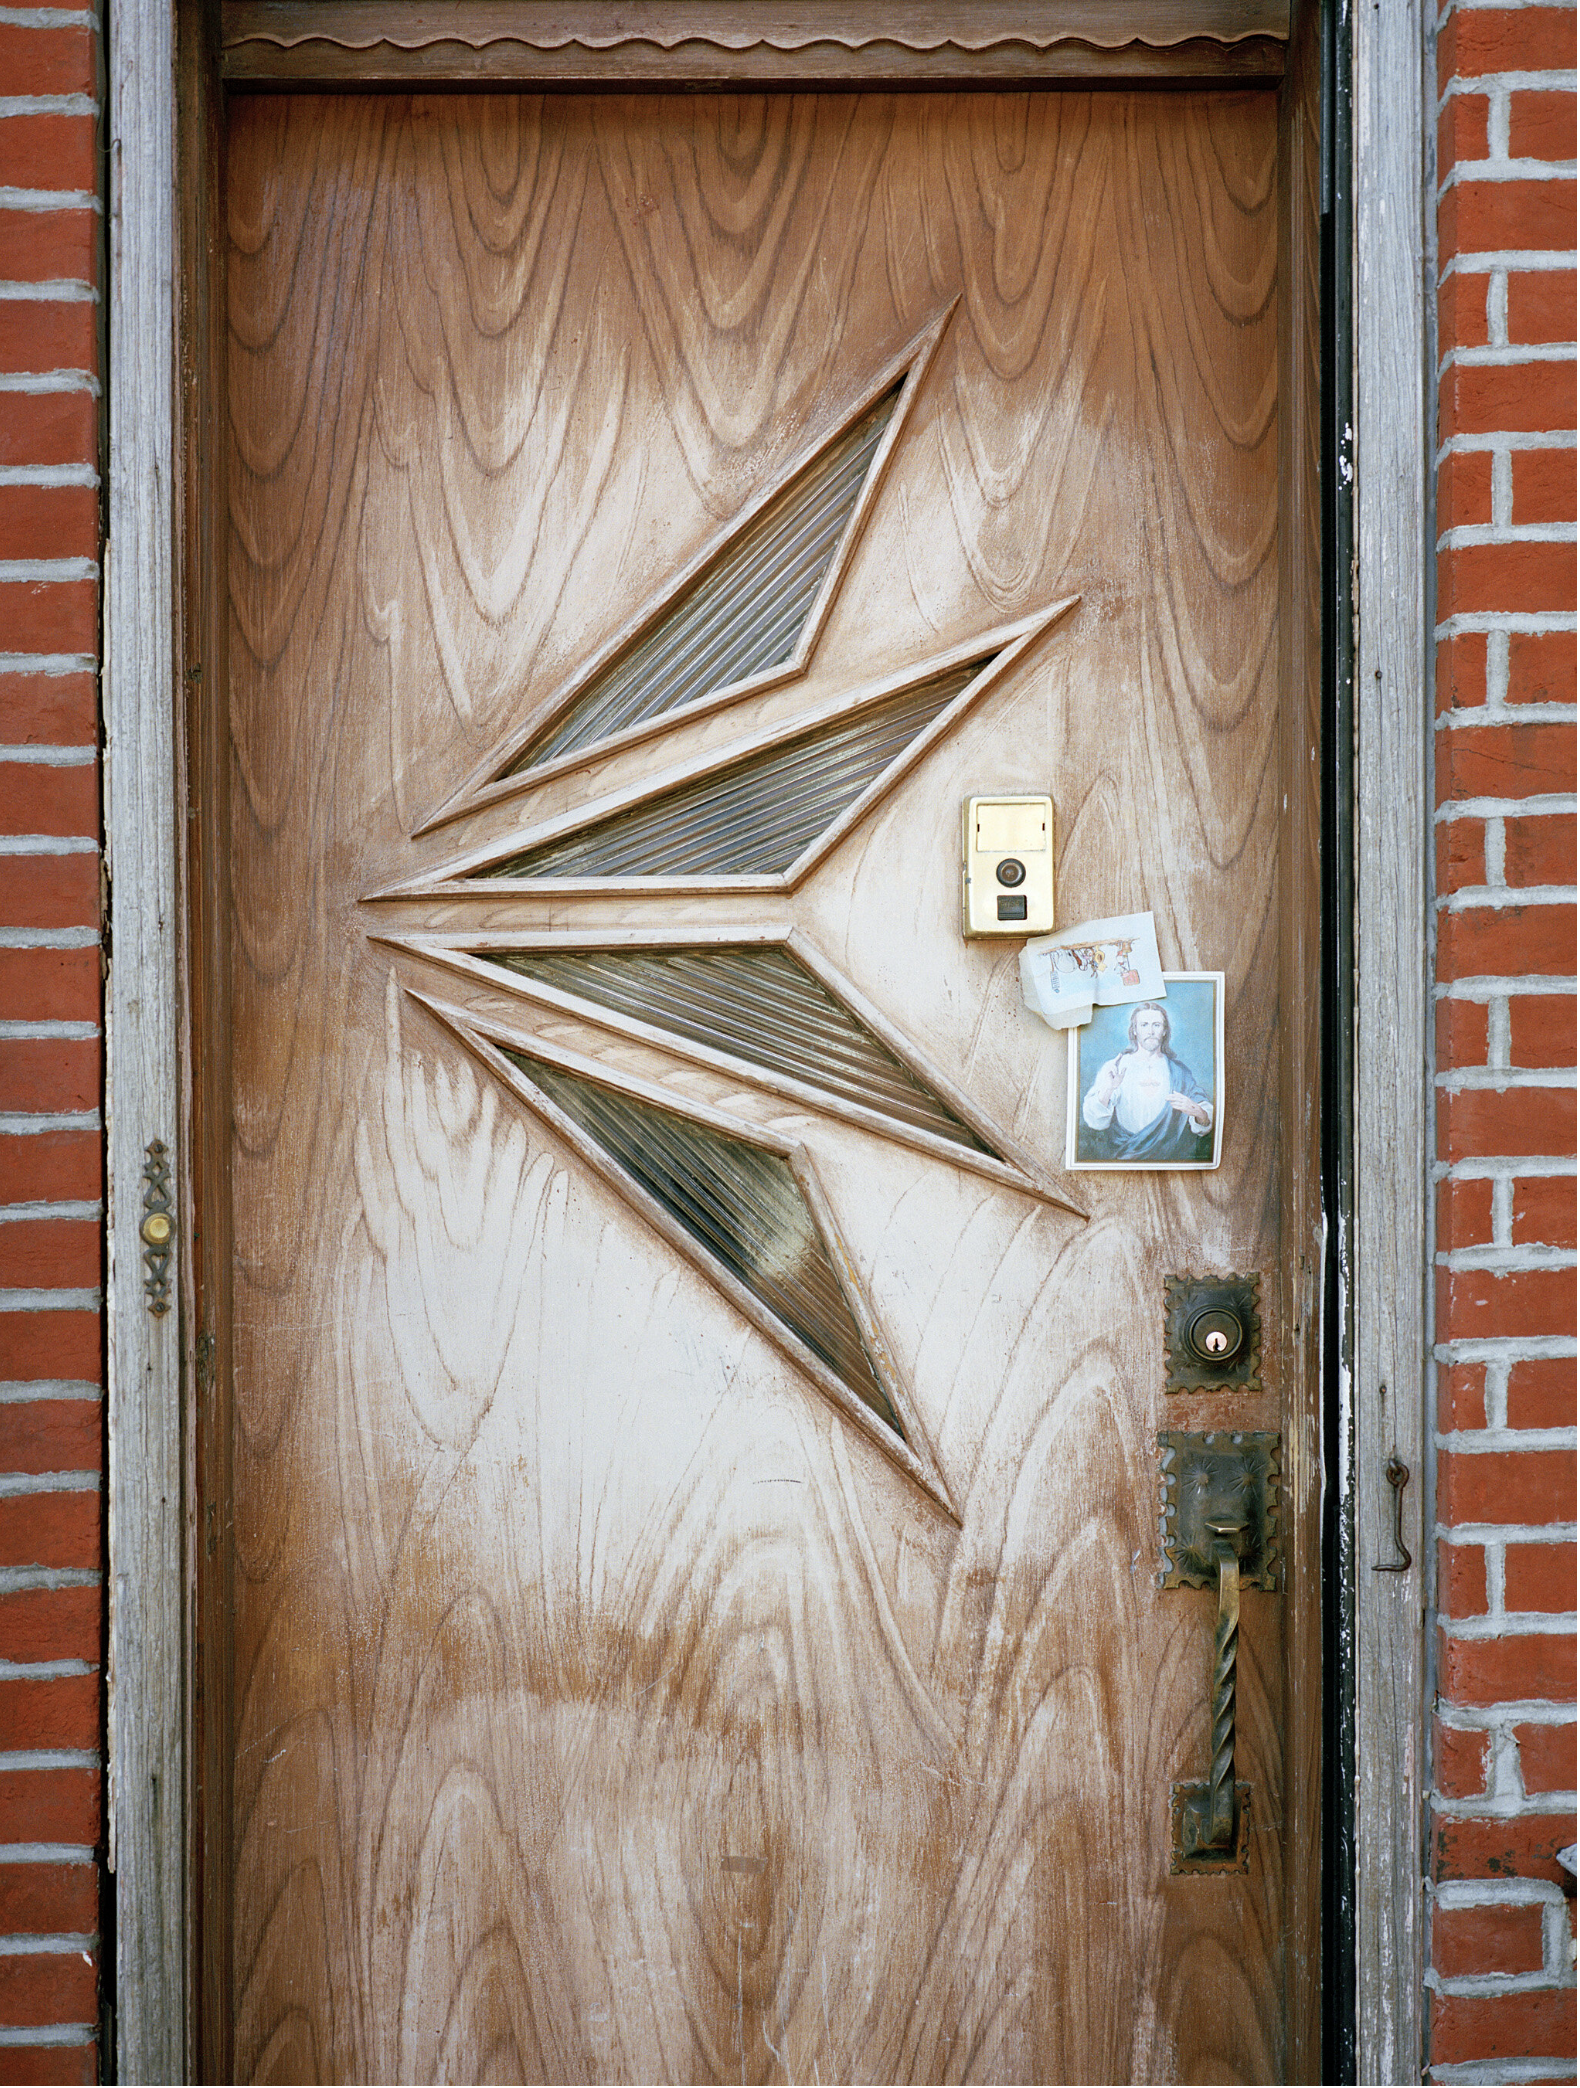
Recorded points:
(1012,909)
(1012,871)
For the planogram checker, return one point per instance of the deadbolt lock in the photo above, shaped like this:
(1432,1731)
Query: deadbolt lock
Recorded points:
(1212,1333)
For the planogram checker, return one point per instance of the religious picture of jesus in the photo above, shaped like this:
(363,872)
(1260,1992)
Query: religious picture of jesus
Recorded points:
(1146,1080)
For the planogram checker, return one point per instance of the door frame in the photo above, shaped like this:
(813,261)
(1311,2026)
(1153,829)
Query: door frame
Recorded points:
(168,61)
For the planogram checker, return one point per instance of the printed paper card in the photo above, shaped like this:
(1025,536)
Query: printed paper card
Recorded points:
(1096,964)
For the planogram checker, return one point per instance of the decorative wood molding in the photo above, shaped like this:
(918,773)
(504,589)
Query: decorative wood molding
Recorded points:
(143,1100)
(1388,1264)
(697,43)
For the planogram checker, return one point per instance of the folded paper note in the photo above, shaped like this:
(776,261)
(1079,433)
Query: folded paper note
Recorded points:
(1095,964)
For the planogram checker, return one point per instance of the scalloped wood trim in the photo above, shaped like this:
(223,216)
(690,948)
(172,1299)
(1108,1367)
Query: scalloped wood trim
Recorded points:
(586,44)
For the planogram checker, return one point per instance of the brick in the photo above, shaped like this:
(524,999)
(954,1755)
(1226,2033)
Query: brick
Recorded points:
(54,1435)
(1541,125)
(50,522)
(1462,312)
(51,1805)
(50,1077)
(1462,1580)
(1539,1577)
(1512,398)
(44,334)
(48,152)
(1544,1211)
(45,1989)
(1480,1122)
(1509,1486)
(49,891)
(1523,1847)
(1496,40)
(51,1166)
(1461,131)
(51,1345)
(1547,1758)
(1539,850)
(50,616)
(53,1711)
(49,428)
(1461,1031)
(49,246)
(1470,2027)
(47,61)
(1507,1670)
(49,710)
(1543,486)
(1541,306)
(1541,1030)
(1464,1215)
(63,1529)
(1505,761)
(1485,217)
(1482,1304)
(49,985)
(41,2066)
(36,798)
(1541,668)
(49,1253)
(1462,1395)
(1510,579)
(1462,672)
(49,1899)
(1464,489)
(50,1624)
(1471,1940)
(1542,1393)
(1507,942)
(1460,1762)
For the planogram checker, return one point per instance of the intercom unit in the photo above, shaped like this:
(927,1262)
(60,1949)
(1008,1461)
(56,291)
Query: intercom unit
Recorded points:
(1007,878)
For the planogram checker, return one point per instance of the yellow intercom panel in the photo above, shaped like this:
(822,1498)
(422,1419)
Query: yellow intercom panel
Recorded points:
(1007,879)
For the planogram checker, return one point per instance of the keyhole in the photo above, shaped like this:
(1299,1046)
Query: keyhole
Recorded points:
(1216,1335)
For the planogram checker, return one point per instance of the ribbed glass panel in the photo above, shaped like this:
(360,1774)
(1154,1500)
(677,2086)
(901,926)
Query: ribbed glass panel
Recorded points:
(754,817)
(743,614)
(742,1204)
(757,1001)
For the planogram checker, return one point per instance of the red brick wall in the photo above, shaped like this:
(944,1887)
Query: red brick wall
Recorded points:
(1503,2000)
(51,1338)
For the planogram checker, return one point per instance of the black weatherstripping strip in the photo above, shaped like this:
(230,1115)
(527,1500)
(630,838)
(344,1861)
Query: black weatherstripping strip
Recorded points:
(1338,1011)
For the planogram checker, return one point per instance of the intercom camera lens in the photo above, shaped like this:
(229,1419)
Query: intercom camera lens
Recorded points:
(1012,871)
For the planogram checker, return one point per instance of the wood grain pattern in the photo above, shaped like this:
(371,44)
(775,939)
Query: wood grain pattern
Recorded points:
(604,1708)
(1392,1389)
(301,44)
(146,1678)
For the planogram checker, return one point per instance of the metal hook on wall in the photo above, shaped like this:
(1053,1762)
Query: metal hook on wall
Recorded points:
(1397,1474)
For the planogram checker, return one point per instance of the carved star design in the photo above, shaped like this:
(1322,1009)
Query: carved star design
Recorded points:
(755,813)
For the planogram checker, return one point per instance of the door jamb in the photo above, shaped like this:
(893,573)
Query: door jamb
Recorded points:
(1383,1265)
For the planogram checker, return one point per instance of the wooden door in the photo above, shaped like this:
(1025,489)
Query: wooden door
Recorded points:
(683,1536)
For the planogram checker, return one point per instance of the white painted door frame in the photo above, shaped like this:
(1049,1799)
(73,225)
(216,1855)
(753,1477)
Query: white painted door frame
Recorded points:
(1384,1266)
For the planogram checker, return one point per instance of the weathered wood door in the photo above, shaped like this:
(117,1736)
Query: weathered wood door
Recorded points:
(685,1507)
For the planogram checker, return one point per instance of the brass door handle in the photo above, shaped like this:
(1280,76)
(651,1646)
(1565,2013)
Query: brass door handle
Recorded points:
(1220,1512)
(1210,1815)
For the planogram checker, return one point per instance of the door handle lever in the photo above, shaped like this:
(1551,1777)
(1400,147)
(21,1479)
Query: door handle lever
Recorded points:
(1220,1512)
(1209,1819)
